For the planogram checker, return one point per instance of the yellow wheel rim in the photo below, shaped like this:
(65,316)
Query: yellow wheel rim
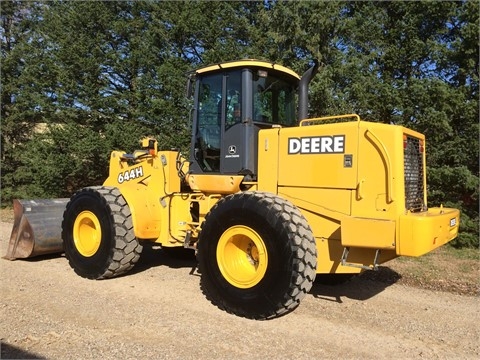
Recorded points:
(87,233)
(242,256)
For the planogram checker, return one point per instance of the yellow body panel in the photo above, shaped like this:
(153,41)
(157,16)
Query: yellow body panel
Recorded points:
(420,233)
(348,179)
(268,160)
(329,254)
(138,183)
(146,186)
(313,156)
(368,233)
(151,186)
(219,184)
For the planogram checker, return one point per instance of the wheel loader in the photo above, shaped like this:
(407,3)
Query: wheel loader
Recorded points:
(267,197)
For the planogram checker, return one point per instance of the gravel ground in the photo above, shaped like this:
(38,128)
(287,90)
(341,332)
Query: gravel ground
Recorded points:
(159,312)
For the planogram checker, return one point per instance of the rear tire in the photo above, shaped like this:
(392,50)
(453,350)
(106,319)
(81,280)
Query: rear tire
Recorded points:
(257,255)
(97,233)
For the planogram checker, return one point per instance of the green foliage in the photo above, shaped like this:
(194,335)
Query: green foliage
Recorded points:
(80,78)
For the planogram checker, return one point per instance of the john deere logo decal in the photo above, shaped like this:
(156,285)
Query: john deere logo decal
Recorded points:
(317,145)
(232,152)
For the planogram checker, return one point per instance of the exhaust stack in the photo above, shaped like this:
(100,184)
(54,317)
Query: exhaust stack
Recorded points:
(303,91)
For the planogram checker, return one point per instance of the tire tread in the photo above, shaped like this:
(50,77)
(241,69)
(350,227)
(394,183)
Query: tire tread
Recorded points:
(126,248)
(276,211)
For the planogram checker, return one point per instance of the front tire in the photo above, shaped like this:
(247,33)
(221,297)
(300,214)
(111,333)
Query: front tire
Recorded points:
(97,233)
(257,255)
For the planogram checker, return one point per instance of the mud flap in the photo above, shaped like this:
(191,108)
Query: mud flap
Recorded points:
(37,228)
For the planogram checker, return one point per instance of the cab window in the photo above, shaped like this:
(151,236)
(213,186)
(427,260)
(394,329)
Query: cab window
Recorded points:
(207,142)
(273,99)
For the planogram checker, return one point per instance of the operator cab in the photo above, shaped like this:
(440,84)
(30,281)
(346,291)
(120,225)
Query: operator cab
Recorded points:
(233,102)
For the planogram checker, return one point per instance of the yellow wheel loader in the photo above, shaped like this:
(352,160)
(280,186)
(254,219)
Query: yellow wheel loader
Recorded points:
(267,197)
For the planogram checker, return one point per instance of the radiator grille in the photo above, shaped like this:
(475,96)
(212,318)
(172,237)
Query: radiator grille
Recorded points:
(413,169)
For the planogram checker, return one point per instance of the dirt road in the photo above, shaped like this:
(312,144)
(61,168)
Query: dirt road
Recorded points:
(159,312)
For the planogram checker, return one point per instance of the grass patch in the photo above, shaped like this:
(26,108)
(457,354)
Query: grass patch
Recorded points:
(463,254)
(6,214)
(445,269)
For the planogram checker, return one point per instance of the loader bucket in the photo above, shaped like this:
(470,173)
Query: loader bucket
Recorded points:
(37,228)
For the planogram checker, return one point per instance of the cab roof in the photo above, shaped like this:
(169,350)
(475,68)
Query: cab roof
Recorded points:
(248,63)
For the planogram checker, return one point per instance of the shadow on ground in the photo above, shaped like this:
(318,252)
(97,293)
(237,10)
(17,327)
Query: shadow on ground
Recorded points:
(176,258)
(326,287)
(40,257)
(359,287)
(152,255)
(12,352)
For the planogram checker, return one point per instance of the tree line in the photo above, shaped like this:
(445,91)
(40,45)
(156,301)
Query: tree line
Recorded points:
(80,78)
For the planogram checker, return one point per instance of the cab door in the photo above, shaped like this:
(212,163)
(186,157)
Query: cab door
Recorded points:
(217,145)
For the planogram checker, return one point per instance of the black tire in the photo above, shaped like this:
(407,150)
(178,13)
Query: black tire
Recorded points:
(271,235)
(97,233)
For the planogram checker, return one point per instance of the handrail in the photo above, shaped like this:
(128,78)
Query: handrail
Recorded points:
(383,152)
(329,118)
